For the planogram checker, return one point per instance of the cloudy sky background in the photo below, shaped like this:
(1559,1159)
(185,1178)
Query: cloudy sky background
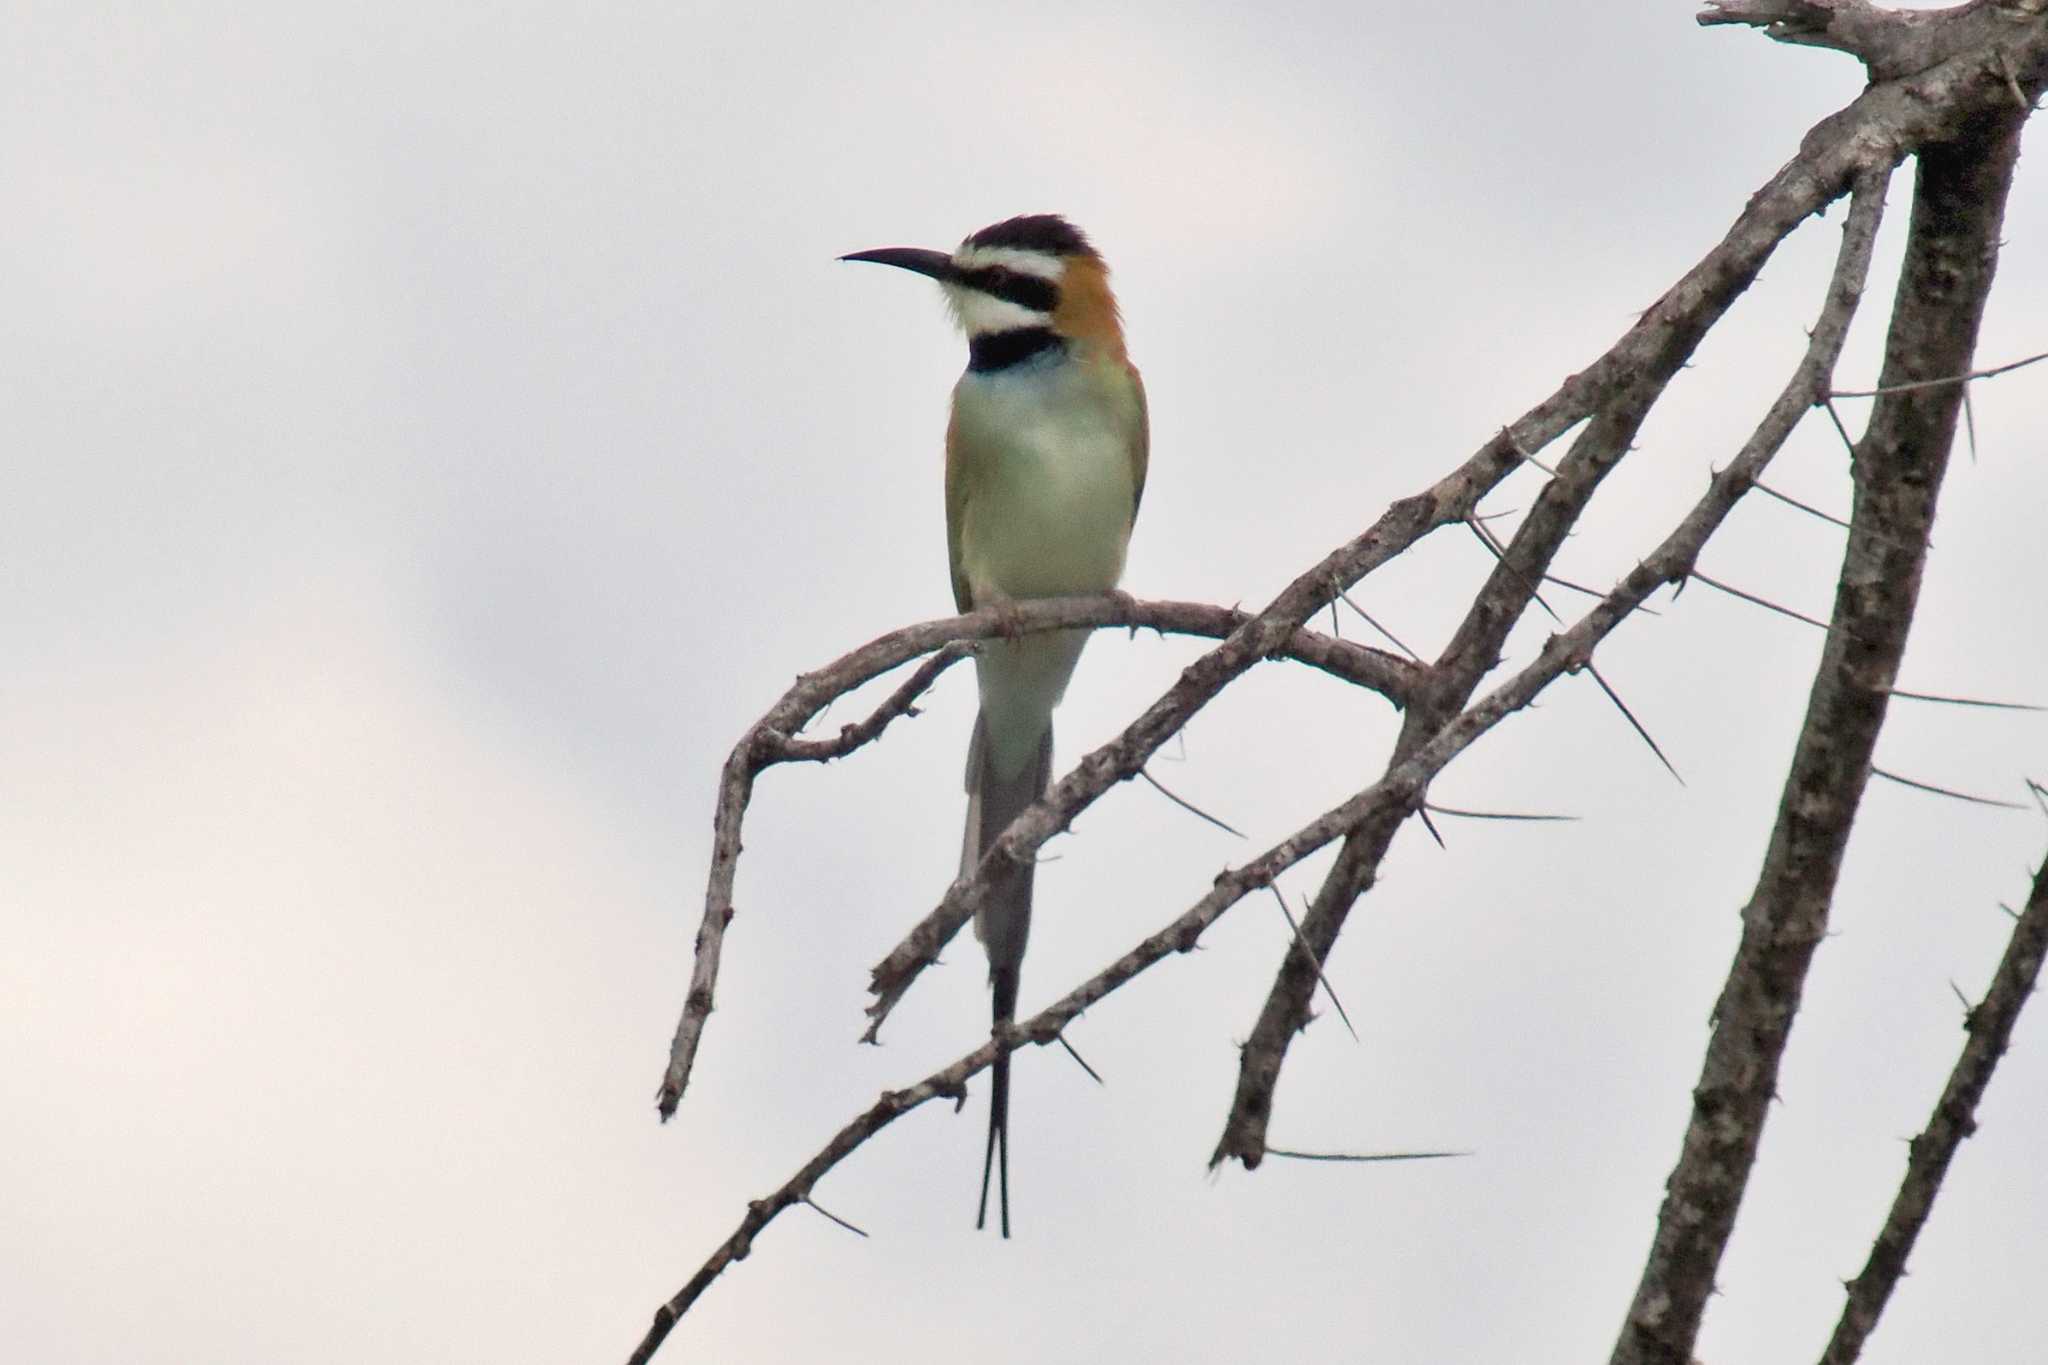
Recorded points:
(433,433)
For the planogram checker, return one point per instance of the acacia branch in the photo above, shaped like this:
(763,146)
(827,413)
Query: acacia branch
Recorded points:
(1891,43)
(1476,649)
(773,739)
(1860,143)
(1872,134)
(1951,251)
(1869,135)
(1989,1028)
(1401,785)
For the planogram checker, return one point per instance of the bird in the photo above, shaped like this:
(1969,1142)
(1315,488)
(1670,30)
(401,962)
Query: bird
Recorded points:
(1046,452)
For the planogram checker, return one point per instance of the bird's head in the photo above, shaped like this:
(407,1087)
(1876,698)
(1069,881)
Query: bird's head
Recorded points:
(1025,279)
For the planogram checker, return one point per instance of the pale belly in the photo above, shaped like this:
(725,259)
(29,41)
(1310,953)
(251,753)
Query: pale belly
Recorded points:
(1052,513)
(1050,516)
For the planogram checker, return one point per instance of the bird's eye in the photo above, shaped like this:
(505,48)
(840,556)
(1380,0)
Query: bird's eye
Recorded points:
(1014,286)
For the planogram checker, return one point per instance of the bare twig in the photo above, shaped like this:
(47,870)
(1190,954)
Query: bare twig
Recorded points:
(901,702)
(1989,1026)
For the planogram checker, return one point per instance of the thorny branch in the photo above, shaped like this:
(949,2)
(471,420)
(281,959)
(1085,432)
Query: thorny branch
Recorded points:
(1989,1028)
(1941,92)
(1951,251)
(1880,127)
(1286,1008)
(772,739)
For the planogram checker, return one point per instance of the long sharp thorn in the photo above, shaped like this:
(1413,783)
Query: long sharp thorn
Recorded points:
(1807,508)
(1836,418)
(1522,453)
(1487,539)
(1635,724)
(1307,952)
(1876,771)
(1966,701)
(827,1213)
(1361,1156)
(1991,373)
(1363,616)
(1829,517)
(1763,602)
(1188,806)
(1430,825)
(1492,814)
(1079,1060)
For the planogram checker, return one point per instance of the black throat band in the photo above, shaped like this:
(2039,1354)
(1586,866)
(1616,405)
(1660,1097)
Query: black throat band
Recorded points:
(1000,350)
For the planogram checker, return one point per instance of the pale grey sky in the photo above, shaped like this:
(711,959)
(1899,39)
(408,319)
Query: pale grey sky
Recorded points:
(433,433)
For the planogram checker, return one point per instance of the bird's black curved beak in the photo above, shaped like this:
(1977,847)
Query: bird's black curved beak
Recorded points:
(917,259)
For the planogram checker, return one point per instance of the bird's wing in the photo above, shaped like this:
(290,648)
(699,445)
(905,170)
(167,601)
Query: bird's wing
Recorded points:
(1141,443)
(958,478)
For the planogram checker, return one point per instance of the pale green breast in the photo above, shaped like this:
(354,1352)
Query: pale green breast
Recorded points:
(1043,482)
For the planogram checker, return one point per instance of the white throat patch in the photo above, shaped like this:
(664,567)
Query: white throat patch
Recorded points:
(980,314)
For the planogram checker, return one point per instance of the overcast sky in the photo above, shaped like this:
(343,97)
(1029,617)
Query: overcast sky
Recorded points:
(432,433)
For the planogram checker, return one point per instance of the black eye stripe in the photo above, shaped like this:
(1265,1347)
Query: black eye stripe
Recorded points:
(1035,292)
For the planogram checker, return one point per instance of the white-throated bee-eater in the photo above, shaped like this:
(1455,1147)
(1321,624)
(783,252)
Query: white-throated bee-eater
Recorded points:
(1045,464)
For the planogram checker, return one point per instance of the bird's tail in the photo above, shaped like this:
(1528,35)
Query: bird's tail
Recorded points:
(1003,923)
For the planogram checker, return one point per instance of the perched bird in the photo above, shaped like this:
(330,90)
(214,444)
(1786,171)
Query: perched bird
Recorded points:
(1045,463)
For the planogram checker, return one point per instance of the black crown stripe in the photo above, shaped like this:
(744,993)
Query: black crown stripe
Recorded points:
(1047,232)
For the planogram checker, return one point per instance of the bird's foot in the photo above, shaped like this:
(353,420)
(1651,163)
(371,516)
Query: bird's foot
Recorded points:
(1126,604)
(1009,620)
